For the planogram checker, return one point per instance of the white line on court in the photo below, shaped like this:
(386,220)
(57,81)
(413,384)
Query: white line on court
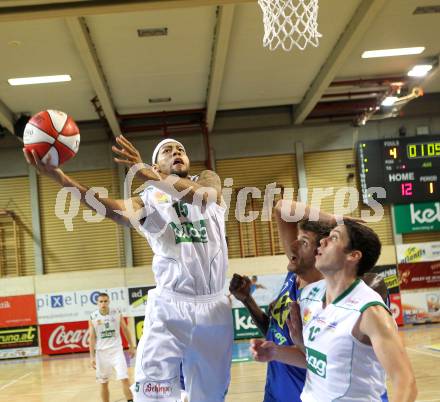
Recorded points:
(423,352)
(14,381)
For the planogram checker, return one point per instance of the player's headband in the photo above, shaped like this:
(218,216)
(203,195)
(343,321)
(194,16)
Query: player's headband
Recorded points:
(160,145)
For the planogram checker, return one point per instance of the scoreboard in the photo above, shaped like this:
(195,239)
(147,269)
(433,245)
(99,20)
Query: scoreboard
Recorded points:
(408,168)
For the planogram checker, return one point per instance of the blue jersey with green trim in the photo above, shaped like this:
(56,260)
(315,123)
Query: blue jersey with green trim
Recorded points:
(284,383)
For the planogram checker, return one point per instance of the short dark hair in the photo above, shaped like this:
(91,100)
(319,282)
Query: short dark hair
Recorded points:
(102,294)
(320,229)
(365,240)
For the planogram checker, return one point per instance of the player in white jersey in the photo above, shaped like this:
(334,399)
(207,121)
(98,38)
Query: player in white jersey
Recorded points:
(349,335)
(106,353)
(188,318)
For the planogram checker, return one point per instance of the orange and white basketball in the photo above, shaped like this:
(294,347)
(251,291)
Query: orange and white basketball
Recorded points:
(53,133)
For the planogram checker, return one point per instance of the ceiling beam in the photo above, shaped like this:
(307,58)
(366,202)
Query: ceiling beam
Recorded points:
(222,34)
(6,118)
(86,50)
(353,33)
(94,7)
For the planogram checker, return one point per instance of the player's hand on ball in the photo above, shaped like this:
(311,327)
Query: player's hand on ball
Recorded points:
(294,323)
(240,287)
(262,351)
(46,169)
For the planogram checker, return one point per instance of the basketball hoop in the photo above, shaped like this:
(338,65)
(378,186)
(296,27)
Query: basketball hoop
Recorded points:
(289,23)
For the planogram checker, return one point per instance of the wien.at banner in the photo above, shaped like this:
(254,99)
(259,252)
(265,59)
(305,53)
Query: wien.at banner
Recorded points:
(68,337)
(19,342)
(76,306)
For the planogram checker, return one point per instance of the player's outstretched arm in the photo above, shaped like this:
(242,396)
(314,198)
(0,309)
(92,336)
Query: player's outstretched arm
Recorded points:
(267,351)
(240,287)
(380,327)
(111,205)
(92,344)
(131,344)
(205,190)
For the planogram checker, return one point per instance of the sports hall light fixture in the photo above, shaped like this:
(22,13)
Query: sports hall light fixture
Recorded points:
(47,79)
(389,101)
(369,54)
(420,70)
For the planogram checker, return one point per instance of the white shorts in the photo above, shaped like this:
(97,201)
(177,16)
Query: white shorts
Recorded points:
(109,359)
(194,330)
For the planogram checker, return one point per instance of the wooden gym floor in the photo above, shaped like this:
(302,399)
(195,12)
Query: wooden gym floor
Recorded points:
(69,379)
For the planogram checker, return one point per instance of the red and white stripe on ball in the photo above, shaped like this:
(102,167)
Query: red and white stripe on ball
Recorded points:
(53,133)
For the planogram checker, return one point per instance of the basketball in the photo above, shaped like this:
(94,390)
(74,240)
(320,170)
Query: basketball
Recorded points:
(53,133)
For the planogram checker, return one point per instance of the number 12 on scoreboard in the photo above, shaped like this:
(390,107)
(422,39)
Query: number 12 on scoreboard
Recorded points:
(407,189)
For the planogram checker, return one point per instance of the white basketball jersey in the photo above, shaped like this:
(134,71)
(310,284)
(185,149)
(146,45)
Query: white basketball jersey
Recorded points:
(190,251)
(339,367)
(107,329)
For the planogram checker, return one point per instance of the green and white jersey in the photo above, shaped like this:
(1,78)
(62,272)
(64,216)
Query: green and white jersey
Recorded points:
(189,244)
(107,329)
(339,367)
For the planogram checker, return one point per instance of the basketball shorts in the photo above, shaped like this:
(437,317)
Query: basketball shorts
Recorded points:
(195,331)
(109,359)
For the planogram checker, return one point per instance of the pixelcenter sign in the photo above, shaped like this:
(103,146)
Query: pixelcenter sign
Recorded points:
(17,311)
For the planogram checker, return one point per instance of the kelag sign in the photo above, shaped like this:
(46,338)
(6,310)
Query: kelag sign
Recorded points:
(244,327)
(420,217)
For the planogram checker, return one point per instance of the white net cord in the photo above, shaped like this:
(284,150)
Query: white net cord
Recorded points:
(289,23)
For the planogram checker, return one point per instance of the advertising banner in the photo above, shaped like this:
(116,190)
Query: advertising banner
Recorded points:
(396,308)
(419,217)
(17,311)
(418,252)
(69,337)
(137,299)
(421,307)
(19,342)
(76,306)
(138,327)
(419,275)
(244,327)
(389,275)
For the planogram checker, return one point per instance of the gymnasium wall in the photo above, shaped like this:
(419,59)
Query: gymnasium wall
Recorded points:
(252,157)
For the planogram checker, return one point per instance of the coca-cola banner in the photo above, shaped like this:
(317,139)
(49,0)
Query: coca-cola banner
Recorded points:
(76,306)
(19,342)
(69,337)
(137,298)
(419,275)
(17,311)
(64,338)
(418,252)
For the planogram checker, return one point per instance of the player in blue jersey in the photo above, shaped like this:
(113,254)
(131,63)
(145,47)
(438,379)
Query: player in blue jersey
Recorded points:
(284,383)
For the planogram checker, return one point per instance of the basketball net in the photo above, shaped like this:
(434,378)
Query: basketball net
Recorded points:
(289,23)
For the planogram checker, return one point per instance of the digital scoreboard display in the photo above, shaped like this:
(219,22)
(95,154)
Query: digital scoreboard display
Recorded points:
(408,168)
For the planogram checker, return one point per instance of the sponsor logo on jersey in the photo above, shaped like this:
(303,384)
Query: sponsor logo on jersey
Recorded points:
(307,315)
(190,232)
(157,389)
(316,362)
(280,311)
(161,198)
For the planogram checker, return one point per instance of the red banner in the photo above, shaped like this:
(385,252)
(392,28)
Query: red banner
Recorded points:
(396,307)
(419,275)
(69,337)
(17,311)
